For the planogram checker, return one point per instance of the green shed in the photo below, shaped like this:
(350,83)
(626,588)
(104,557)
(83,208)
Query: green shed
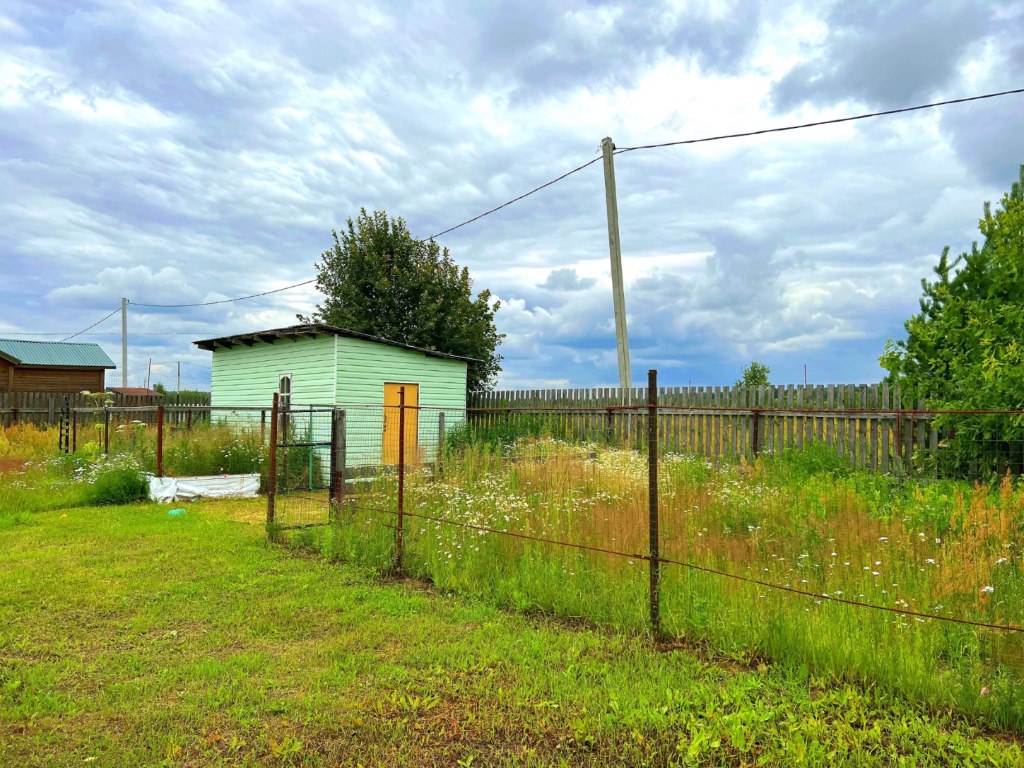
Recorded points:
(321,365)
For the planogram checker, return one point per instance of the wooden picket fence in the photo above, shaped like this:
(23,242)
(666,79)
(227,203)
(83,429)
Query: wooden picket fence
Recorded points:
(868,424)
(44,408)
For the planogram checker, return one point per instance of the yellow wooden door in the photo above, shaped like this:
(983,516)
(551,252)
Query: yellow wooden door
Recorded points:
(391,416)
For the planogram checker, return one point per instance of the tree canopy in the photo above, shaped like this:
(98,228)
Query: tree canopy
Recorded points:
(754,375)
(964,351)
(380,280)
(965,348)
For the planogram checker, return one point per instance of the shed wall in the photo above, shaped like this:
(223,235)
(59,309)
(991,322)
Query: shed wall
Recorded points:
(363,369)
(19,379)
(249,376)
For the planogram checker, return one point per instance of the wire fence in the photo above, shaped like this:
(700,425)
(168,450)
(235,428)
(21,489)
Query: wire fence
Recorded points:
(786,550)
(630,516)
(172,440)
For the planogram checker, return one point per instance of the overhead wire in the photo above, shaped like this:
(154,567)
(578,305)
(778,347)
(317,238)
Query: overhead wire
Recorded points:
(101,320)
(816,123)
(619,151)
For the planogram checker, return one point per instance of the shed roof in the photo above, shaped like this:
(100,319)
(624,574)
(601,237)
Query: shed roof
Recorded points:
(311,330)
(134,391)
(54,354)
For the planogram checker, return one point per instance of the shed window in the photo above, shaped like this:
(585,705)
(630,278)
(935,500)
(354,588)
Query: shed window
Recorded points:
(284,388)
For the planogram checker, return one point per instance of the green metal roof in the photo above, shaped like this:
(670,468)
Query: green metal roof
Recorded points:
(56,354)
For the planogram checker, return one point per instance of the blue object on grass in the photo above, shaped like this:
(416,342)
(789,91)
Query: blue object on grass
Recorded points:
(176,512)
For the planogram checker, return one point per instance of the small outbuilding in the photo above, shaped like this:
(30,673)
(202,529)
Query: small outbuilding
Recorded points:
(52,366)
(321,365)
(135,396)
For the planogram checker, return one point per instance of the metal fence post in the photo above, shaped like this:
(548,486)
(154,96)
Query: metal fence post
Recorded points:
(440,438)
(399,532)
(654,595)
(338,449)
(271,469)
(74,430)
(106,430)
(160,441)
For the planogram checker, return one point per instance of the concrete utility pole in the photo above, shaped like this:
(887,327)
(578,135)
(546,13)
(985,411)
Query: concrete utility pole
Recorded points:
(124,342)
(615,250)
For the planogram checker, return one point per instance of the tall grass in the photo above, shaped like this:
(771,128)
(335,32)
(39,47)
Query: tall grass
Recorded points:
(800,520)
(53,480)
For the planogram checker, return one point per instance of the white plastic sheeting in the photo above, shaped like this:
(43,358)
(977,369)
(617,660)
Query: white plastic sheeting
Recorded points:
(167,489)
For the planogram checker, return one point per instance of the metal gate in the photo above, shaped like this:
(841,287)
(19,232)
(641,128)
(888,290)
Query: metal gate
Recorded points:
(306,465)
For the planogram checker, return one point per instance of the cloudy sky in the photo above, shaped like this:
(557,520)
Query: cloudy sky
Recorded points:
(195,151)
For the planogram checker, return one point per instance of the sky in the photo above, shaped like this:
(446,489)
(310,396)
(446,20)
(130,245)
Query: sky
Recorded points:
(187,152)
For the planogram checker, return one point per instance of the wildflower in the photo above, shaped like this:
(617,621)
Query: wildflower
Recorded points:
(1001,560)
(883,538)
(987,590)
(984,691)
(930,561)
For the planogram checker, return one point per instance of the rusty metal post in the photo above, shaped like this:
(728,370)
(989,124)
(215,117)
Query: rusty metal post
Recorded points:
(399,532)
(898,447)
(654,595)
(106,430)
(338,450)
(271,469)
(440,439)
(160,441)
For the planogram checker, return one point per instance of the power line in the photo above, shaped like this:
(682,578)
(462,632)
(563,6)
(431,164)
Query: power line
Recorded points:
(100,333)
(816,123)
(223,301)
(623,150)
(545,185)
(497,208)
(103,319)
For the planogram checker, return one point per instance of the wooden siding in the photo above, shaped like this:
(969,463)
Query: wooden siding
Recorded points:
(365,367)
(6,376)
(248,376)
(15,378)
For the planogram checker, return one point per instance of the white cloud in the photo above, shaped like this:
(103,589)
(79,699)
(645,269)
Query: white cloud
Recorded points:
(195,152)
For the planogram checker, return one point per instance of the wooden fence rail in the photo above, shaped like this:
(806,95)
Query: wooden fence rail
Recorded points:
(44,408)
(868,425)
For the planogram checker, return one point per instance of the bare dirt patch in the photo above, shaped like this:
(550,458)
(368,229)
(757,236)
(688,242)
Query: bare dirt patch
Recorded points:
(10,465)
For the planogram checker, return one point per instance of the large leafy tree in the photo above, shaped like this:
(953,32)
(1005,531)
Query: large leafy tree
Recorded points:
(378,279)
(965,349)
(754,375)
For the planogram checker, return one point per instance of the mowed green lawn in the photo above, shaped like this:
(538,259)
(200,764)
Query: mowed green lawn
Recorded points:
(128,637)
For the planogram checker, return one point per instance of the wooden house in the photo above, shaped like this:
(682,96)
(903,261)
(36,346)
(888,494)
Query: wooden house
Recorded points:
(52,366)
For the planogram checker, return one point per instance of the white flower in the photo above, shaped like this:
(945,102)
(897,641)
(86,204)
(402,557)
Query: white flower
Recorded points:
(988,590)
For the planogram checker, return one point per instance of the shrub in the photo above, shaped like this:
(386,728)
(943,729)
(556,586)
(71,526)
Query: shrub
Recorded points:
(116,481)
